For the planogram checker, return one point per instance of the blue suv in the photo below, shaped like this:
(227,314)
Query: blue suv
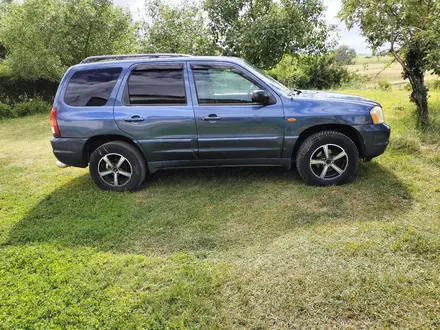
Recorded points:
(128,115)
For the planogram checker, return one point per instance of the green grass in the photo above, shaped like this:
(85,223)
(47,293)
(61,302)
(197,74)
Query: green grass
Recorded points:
(222,248)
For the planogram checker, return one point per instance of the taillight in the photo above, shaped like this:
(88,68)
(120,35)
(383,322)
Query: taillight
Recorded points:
(53,123)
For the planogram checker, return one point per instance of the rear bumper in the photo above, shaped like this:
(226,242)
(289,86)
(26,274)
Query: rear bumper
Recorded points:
(376,139)
(70,151)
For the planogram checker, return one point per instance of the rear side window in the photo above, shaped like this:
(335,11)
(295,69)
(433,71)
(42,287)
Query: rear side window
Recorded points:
(91,88)
(156,85)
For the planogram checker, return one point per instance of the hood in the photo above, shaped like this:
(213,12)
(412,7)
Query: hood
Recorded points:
(321,95)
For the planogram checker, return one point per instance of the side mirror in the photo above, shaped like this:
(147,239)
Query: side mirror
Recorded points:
(260,97)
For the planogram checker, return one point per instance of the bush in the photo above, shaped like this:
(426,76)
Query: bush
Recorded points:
(22,109)
(311,72)
(384,85)
(5,111)
(32,107)
(14,90)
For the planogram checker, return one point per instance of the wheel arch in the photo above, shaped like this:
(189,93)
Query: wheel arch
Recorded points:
(347,130)
(95,141)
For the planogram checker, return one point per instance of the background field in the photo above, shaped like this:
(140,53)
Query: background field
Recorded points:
(381,67)
(235,248)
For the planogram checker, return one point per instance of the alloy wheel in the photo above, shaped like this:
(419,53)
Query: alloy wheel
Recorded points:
(115,170)
(329,162)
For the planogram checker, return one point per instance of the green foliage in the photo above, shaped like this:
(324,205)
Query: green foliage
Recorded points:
(21,109)
(14,89)
(345,55)
(175,29)
(30,107)
(5,111)
(411,30)
(263,31)
(312,72)
(384,85)
(44,37)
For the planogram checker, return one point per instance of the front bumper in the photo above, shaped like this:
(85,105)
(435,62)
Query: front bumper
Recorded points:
(376,138)
(70,151)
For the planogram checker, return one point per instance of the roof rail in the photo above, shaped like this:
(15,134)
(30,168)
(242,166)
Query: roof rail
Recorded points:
(129,56)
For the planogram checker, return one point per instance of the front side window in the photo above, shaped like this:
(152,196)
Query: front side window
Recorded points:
(223,86)
(91,87)
(155,85)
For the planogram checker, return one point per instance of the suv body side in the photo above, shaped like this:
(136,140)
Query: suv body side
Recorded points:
(182,135)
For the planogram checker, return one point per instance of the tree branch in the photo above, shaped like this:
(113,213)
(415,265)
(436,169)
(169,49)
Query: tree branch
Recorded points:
(396,55)
(386,67)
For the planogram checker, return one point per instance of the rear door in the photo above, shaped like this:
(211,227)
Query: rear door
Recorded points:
(229,124)
(154,108)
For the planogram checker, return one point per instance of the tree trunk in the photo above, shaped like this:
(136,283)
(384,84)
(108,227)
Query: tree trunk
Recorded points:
(414,71)
(419,96)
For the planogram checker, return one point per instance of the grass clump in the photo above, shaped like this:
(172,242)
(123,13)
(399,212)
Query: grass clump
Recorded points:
(409,141)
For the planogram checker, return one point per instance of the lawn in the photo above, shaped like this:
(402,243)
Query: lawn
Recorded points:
(222,249)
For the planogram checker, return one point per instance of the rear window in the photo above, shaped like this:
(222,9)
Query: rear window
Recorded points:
(157,85)
(91,88)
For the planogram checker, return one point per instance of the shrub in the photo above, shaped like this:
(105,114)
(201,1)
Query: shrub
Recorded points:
(384,85)
(5,111)
(15,90)
(22,109)
(32,107)
(313,72)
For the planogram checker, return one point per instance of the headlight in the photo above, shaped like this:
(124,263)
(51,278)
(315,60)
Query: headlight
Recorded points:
(377,115)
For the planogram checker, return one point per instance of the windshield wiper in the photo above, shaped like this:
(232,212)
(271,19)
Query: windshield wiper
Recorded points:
(295,91)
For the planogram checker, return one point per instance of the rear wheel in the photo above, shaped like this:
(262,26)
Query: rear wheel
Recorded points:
(117,166)
(327,158)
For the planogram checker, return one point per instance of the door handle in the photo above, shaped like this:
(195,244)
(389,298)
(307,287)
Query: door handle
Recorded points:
(134,119)
(211,117)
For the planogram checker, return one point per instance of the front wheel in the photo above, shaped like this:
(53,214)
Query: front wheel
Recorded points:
(327,158)
(117,166)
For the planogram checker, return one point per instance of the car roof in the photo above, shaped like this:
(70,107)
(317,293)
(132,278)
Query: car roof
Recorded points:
(126,62)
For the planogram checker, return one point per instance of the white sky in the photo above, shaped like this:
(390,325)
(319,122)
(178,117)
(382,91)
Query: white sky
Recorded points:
(351,38)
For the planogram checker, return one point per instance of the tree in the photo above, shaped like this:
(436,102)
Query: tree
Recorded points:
(411,31)
(176,29)
(345,55)
(3,10)
(44,37)
(262,31)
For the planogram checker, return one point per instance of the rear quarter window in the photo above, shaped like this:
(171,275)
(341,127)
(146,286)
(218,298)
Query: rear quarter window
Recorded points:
(156,84)
(88,88)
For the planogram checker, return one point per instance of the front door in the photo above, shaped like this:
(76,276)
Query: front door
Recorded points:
(229,124)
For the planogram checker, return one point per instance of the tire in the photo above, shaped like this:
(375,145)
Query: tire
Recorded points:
(119,160)
(327,158)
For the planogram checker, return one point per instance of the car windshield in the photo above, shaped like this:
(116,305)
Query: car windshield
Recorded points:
(271,81)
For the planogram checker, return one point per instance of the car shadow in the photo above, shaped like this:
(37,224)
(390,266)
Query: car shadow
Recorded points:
(206,209)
